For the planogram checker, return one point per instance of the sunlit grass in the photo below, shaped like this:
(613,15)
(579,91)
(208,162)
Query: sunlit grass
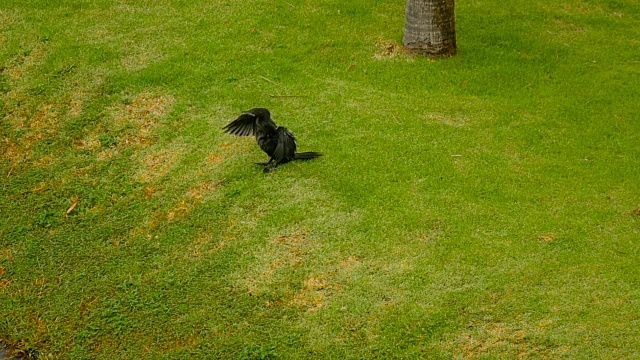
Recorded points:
(481,206)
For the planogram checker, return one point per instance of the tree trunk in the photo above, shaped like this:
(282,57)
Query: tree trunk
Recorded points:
(430,27)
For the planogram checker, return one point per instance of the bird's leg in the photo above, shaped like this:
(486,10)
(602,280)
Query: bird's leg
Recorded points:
(269,169)
(265,163)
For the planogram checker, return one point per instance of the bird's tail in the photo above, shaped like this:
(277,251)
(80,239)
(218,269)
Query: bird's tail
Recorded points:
(307,155)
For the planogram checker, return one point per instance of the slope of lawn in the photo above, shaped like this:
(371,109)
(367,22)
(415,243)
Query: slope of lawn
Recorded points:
(482,206)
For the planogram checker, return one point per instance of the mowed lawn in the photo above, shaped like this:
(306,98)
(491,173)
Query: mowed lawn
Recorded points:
(485,206)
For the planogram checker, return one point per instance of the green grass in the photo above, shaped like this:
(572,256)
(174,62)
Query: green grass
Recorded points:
(482,206)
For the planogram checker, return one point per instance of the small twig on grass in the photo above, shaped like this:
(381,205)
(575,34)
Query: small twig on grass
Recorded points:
(290,4)
(73,206)
(264,78)
(10,172)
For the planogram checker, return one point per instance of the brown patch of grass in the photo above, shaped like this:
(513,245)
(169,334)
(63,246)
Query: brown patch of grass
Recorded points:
(148,226)
(389,50)
(14,152)
(582,7)
(215,158)
(193,197)
(286,255)
(520,340)
(45,121)
(140,118)
(180,343)
(547,238)
(349,263)
(145,106)
(7,254)
(447,119)
(42,186)
(4,283)
(294,243)
(157,164)
(107,154)
(202,188)
(44,161)
(433,234)
(141,58)
(89,143)
(42,124)
(203,246)
(179,211)
(21,65)
(312,296)
(150,191)
(75,107)
(26,113)
(568,27)
(285,251)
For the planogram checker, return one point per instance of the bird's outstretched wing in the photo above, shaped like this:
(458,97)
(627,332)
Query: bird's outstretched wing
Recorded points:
(244,125)
(286,147)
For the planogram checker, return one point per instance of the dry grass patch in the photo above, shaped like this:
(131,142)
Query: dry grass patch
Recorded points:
(433,234)
(140,118)
(89,143)
(350,263)
(313,295)
(202,188)
(14,152)
(547,238)
(38,126)
(215,158)
(151,191)
(158,163)
(287,255)
(285,251)
(145,230)
(75,107)
(179,211)
(226,149)
(45,161)
(141,57)
(4,281)
(24,112)
(21,65)
(447,119)
(194,196)
(505,340)
(390,50)
(191,199)
(203,245)
(107,154)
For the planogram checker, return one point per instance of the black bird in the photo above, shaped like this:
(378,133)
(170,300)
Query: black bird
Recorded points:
(278,142)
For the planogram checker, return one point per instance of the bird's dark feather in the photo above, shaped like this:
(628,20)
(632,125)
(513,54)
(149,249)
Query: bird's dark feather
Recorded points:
(285,147)
(242,126)
(277,142)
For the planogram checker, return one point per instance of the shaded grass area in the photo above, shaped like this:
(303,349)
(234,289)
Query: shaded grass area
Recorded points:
(482,206)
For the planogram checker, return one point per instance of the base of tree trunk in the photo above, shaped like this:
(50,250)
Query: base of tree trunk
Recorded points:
(428,51)
(430,28)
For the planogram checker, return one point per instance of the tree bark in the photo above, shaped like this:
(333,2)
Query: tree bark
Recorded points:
(430,27)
